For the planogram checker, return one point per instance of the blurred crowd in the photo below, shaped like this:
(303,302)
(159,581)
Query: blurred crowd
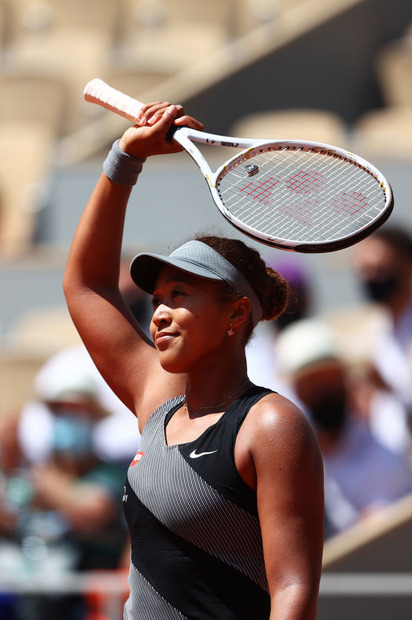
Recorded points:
(350,371)
(64,456)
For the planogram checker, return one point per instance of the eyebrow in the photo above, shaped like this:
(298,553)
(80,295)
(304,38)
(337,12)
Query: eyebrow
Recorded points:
(184,279)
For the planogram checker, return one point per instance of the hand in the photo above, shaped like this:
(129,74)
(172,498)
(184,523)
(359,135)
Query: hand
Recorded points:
(46,480)
(149,137)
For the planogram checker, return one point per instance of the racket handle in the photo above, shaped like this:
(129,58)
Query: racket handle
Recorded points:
(97,91)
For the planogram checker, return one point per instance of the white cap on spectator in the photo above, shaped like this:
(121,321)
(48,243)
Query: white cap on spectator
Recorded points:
(306,343)
(74,387)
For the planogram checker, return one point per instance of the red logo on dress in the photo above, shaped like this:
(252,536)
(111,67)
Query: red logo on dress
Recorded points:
(137,458)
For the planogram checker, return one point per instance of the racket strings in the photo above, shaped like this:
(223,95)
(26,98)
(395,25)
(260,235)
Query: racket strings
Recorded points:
(305,189)
(300,194)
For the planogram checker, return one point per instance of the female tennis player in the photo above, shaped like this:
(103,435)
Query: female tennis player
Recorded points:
(224,499)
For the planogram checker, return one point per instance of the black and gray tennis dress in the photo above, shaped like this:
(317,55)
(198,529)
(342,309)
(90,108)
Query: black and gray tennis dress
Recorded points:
(196,547)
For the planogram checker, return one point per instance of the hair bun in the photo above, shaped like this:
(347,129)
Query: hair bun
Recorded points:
(276,298)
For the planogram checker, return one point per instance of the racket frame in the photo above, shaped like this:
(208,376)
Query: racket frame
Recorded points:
(97,91)
(186,136)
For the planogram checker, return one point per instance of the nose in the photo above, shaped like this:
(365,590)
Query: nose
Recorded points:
(161,315)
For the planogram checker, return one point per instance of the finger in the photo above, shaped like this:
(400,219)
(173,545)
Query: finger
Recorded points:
(179,110)
(189,121)
(166,119)
(145,112)
(152,112)
(157,110)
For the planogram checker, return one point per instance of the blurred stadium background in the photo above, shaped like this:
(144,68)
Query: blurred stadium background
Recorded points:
(337,72)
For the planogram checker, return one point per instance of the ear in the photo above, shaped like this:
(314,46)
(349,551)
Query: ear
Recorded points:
(240,312)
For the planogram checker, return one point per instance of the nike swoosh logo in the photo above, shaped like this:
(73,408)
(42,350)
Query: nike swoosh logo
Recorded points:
(194,455)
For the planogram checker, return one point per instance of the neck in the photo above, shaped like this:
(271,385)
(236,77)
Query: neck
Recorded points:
(216,396)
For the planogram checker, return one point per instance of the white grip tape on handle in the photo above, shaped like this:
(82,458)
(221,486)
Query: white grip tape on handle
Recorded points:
(97,91)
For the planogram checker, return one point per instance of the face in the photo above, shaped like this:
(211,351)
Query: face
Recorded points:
(381,269)
(320,383)
(373,257)
(190,321)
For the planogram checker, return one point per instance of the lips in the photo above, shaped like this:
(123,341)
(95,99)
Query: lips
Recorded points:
(162,339)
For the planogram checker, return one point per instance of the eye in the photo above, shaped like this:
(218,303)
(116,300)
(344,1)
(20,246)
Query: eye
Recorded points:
(177,292)
(155,302)
(166,296)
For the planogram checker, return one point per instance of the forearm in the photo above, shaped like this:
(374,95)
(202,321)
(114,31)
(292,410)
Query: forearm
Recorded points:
(85,506)
(294,602)
(94,257)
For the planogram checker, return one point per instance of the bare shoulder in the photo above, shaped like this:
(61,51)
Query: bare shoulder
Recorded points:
(275,418)
(277,431)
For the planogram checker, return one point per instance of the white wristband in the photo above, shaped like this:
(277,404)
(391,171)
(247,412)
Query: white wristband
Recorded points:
(122,168)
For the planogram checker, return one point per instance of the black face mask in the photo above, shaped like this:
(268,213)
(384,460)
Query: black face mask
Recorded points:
(381,289)
(329,412)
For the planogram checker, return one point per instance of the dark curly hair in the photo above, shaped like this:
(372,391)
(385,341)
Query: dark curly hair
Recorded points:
(270,287)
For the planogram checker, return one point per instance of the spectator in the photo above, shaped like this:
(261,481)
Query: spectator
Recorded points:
(64,514)
(75,482)
(383,264)
(361,474)
(115,437)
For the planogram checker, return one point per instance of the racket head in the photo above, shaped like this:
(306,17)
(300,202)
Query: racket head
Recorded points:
(302,196)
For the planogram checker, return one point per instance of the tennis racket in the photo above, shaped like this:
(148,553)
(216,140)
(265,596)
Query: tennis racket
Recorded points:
(293,195)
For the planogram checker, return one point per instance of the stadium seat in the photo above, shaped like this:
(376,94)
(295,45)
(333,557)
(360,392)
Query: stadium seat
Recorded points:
(386,132)
(31,113)
(305,124)
(73,39)
(4,16)
(45,93)
(135,79)
(175,32)
(37,18)
(76,55)
(394,71)
(23,182)
(8,23)
(17,374)
(250,14)
(41,332)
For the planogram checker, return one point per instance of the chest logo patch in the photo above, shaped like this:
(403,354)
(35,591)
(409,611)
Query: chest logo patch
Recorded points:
(196,455)
(137,458)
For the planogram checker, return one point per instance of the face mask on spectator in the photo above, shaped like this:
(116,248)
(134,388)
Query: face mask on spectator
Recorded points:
(381,289)
(328,413)
(73,433)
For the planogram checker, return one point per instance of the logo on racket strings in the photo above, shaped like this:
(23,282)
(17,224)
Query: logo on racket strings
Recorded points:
(304,182)
(350,204)
(260,191)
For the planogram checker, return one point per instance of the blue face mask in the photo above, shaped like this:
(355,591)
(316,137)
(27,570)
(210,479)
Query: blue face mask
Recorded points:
(73,433)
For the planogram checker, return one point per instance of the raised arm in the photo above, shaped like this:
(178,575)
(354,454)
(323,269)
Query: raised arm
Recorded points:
(120,349)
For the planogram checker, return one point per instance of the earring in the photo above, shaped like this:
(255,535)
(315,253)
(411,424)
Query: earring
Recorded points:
(230,331)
